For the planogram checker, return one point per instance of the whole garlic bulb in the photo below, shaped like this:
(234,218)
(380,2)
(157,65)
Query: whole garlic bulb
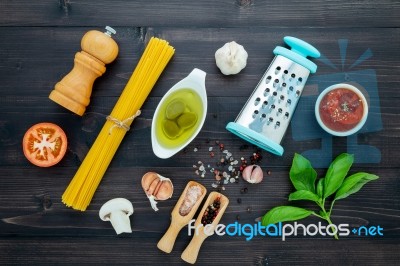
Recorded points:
(253,174)
(231,58)
(157,187)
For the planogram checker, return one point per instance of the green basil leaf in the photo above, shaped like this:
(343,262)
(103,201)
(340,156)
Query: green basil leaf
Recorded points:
(336,173)
(302,174)
(304,195)
(354,183)
(284,214)
(320,187)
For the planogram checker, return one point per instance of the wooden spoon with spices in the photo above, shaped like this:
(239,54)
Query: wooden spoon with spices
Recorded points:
(182,213)
(212,211)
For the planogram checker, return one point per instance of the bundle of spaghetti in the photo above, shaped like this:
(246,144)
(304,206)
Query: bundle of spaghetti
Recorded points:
(83,185)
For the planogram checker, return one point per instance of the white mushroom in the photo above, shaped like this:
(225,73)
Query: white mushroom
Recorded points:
(231,58)
(117,211)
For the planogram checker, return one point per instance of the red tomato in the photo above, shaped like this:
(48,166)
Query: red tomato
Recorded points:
(44,144)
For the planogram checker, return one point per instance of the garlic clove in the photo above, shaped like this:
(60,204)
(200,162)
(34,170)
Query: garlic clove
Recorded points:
(157,187)
(253,174)
(149,183)
(165,191)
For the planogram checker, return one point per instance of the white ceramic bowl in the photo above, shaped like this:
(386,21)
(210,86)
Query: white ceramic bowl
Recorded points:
(196,82)
(360,123)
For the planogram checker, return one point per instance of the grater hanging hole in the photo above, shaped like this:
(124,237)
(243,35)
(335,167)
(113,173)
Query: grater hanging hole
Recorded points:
(257,101)
(268,79)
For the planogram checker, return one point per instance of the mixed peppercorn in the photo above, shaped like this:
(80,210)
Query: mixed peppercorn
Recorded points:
(211,212)
(225,168)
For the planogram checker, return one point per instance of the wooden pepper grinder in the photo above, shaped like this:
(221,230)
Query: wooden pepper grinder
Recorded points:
(74,90)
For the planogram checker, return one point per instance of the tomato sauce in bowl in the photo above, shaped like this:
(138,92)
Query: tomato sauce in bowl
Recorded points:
(341,110)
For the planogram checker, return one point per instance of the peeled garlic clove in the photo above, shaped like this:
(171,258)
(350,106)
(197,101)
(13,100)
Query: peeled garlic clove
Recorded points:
(157,187)
(253,174)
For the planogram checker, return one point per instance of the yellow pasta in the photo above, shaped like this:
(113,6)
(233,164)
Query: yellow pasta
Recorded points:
(83,185)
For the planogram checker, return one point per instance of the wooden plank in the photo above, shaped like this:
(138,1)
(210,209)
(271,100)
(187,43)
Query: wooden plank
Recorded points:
(31,202)
(47,230)
(209,13)
(136,148)
(34,71)
(126,250)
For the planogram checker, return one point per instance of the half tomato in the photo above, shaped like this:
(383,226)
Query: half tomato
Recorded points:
(44,144)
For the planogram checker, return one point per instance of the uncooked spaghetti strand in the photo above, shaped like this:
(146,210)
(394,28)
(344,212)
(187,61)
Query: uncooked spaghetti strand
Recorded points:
(105,160)
(79,178)
(89,181)
(114,147)
(77,183)
(115,143)
(135,78)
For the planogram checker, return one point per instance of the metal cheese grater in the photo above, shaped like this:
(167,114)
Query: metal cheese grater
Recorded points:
(265,117)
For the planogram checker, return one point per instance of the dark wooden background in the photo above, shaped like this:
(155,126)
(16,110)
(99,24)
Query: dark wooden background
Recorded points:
(38,43)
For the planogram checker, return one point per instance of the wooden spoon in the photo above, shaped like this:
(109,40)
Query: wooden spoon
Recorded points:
(178,221)
(192,250)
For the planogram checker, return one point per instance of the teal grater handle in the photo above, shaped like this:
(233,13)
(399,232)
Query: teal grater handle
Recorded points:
(299,52)
(255,138)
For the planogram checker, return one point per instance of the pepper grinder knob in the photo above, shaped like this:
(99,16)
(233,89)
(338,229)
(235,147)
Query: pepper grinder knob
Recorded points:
(110,31)
(74,90)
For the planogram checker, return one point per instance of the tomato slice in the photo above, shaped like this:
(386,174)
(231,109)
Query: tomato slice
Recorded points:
(44,144)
